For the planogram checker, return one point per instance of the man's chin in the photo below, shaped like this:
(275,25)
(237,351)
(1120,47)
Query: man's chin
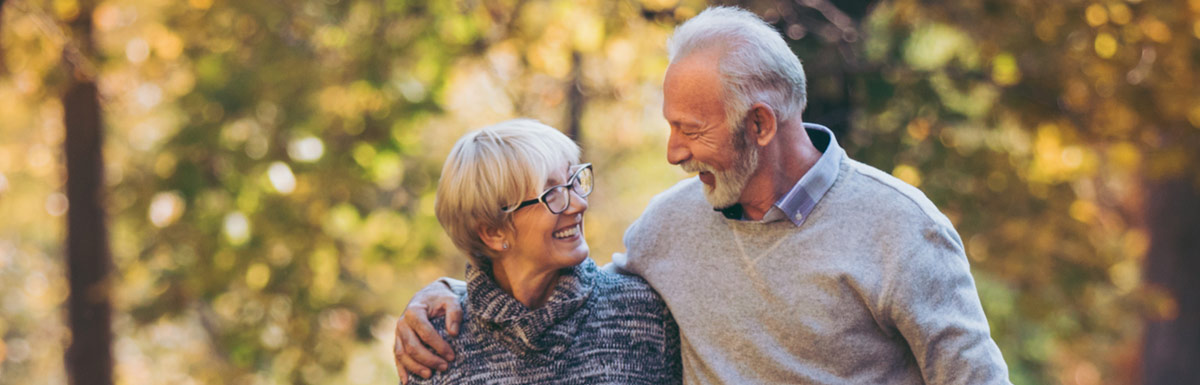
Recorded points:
(717,202)
(717,190)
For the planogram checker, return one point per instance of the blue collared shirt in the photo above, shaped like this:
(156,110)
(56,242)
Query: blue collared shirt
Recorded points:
(803,197)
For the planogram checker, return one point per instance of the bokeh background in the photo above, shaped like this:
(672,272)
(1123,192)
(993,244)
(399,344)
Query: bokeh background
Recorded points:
(269,166)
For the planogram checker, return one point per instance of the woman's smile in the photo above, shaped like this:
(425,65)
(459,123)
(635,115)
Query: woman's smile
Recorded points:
(569,233)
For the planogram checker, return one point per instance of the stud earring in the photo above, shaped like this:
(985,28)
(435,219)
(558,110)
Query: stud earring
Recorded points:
(504,246)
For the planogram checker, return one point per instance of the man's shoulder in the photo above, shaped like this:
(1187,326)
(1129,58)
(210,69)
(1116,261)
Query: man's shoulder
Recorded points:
(887,196)
(686,190)
(681,198)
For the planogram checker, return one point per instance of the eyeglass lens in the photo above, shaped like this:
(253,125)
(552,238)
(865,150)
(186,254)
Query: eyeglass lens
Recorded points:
(557,199)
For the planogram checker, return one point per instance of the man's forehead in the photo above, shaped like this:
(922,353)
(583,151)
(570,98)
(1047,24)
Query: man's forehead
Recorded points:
(691,87)
(699,64)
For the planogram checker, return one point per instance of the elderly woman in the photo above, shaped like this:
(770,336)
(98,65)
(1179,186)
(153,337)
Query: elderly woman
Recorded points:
(537,310)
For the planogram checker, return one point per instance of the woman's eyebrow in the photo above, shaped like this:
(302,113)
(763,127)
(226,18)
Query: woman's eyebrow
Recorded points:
(553,181)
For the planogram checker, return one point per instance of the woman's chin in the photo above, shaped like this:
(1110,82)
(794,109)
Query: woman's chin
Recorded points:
(576,256)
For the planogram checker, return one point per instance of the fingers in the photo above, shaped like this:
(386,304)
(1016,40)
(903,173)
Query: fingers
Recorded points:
(412,354)
(453,321)
(415,335)
(407,362)
(403,374)
(429,336)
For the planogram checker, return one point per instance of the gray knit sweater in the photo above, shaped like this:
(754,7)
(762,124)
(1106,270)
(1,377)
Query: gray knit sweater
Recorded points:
(596,328)
(873,287)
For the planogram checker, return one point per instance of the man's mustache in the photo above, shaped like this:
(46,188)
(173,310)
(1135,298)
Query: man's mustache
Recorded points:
(697,166)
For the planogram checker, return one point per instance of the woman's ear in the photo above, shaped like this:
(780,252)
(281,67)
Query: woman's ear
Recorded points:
(494,239)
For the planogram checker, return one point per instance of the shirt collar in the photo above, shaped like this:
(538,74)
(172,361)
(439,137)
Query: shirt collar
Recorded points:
(804,195)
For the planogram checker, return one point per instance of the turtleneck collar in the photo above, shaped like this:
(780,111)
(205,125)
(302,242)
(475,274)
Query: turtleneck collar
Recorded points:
(541,332)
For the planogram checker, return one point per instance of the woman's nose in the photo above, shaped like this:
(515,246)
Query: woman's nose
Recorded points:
(578,204)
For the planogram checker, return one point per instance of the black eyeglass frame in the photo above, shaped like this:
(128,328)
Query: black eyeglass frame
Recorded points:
(571,181)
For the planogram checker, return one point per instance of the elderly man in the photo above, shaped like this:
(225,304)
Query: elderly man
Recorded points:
(784,261)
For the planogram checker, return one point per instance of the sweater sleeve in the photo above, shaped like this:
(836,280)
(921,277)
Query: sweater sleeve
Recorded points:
(638,239)
(459,288)
(672,353)
(929,296)
(642,237)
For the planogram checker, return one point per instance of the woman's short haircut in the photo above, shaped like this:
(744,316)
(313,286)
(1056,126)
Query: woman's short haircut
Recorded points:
(494,167)
(756,64)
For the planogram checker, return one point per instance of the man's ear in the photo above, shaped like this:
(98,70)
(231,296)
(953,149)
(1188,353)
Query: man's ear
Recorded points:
(761,123)
(494,239)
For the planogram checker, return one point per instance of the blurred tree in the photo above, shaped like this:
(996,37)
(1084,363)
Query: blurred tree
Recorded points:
(89,358)
(1172,346)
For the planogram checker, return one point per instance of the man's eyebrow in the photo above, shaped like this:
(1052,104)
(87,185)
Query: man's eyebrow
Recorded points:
(687,124)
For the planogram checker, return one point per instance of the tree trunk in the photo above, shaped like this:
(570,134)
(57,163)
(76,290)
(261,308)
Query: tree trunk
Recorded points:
(89,358)
(1171,354)
(575,98)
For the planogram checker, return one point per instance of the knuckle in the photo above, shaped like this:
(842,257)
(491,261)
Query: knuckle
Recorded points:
(412,310)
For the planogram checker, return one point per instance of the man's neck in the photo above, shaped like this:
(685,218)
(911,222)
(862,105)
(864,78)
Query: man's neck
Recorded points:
(783,162)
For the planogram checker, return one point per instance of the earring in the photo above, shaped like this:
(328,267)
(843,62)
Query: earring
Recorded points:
(504,246)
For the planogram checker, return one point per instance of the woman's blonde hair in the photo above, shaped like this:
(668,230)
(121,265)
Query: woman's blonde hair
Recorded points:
(495,167)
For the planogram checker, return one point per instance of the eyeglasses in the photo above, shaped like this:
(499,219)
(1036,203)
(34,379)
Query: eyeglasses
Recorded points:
(558,198)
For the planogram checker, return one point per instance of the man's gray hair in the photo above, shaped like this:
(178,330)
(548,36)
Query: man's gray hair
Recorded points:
(756,64)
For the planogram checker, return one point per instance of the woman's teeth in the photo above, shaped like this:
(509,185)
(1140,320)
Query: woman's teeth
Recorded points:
(571,232)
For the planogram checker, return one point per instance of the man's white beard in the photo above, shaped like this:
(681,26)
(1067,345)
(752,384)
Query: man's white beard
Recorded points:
(728,184)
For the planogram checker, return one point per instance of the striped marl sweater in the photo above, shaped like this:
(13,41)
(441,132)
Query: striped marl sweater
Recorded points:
(596,328)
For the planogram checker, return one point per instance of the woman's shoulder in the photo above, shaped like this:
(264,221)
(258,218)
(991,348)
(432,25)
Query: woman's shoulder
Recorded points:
(637,324)
(627,291)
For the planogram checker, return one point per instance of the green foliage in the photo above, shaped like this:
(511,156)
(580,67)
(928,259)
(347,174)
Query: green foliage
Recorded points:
(1033,126)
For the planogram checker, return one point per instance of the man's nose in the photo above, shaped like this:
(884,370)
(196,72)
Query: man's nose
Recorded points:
(677,150)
